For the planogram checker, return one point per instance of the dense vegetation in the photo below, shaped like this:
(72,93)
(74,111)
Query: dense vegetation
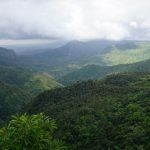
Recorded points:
(112,113)
(34,132)
(19,85)
(76,54)
(108,113)
(7,56)
(123,53)
(96,71)
(11,100)
(30,81)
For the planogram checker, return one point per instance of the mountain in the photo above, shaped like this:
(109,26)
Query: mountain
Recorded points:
(31,82)
(18,85)
(126,53)
(76,54)
(39,82)
(72,52)
(96,71)
(64,59)
(112,113)
(7,56)
(12,73)
(109,113)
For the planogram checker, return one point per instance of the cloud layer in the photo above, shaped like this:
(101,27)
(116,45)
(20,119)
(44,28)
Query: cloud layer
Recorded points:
(74,19)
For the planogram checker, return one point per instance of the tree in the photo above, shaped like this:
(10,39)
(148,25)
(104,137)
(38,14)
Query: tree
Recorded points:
(35,132)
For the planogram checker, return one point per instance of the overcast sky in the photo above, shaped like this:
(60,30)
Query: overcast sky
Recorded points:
(22,20)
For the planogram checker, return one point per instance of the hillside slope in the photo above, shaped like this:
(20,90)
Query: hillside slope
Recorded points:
(7,56)
(112,113)
(123,52)
(31,82)
(96,71)
(18,85)
(77,54)
(39,82)
(11,100)
(72,52)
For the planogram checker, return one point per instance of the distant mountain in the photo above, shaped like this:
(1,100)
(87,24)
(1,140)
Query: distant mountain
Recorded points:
(35,47)
(7,56)
(65,59)
(12,73)
(78,61)
(72,52)
(19,85)
(76,54)
(127,53)
(96,71)
(105,114)
(29,81)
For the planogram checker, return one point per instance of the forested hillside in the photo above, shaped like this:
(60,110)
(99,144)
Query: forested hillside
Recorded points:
(7,56)
(18,85)
(72,52)
(112,113)
(96,71)
(106,113)
(12,99)
(74,74)
(29,81)
(123,52)
(76,54)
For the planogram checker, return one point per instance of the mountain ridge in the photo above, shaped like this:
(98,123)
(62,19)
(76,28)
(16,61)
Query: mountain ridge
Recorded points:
(110,113)
(96,71)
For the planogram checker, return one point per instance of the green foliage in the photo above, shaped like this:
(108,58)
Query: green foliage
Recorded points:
(7,56)
(74,55)
(12,99)
(96,71)
(31,82)
(39,82)
(122,53)
(18,85)
(112,113)
(119,56)
(26,132)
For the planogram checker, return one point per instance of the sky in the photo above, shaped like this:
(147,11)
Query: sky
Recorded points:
(23,21)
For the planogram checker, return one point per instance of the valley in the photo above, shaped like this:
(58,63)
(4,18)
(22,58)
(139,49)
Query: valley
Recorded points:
(97,91)
(74,75)
(112,113)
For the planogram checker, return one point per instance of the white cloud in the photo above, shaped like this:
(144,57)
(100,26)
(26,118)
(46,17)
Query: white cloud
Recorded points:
(74,19)
(133,24)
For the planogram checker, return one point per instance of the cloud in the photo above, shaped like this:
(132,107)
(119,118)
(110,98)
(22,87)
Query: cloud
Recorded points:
(74,19)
